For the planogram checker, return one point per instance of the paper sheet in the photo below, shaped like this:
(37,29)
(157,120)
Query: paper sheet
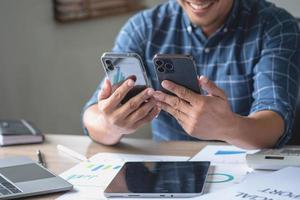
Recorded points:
(91,178)
(222,154)
(228,166)
(100,157)
(281,185)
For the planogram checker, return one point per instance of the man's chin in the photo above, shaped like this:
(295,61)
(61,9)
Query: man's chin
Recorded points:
(203,22)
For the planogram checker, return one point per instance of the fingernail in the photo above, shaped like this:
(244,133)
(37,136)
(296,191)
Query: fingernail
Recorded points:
(100,93)
(150,92)
(204,79)
(105,84)
(130,82)
(165,84)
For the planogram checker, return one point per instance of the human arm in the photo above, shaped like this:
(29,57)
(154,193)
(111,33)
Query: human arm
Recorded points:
(130,39)
(210,117)
(273,88)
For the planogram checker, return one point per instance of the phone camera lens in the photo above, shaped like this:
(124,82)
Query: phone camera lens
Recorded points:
(161,69)
(159,62)
(169,66)
(110,67)
(108,62)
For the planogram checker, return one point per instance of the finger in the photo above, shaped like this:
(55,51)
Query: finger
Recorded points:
(177,114)
(116,85)
(174,101)
(180,91)
(142,112)
(211,88)
(105,91)
(151,115)
(135,102)
(115,99)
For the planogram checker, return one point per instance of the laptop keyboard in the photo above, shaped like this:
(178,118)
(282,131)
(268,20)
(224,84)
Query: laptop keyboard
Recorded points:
(7,188)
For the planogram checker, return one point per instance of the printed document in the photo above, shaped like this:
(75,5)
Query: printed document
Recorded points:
(228,166)
(280,185)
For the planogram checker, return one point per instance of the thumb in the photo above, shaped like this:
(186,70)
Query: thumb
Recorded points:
(105,91)
(211,88)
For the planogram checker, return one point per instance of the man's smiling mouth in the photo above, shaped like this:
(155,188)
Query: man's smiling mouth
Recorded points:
(198,6)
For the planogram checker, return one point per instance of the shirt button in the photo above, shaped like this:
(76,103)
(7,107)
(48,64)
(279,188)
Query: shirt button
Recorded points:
(225,30)
(206,50)
(189,29)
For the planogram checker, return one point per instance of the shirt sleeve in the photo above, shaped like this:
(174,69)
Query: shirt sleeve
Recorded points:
(130,39)
(276,75)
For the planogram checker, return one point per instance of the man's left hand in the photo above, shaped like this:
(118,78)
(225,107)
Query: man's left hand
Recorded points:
(204,117)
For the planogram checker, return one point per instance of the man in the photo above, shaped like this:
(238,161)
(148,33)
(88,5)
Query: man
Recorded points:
(247,54)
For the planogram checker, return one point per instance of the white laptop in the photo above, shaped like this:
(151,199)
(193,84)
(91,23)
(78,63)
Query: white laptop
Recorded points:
(22,177)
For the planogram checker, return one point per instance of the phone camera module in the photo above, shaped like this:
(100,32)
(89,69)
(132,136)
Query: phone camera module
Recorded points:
(108,62)
(169,66)
(110,67)
(161,69)
(159,62)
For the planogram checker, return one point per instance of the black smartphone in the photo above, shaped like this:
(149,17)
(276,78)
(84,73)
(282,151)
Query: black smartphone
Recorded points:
(122,66)
(180,69)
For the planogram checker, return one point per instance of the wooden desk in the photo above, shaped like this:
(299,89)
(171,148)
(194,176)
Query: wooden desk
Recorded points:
(58,162)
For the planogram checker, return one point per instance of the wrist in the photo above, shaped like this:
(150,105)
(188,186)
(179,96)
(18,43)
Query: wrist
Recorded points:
(100,132)
(107,133)
(98,128)
(233,129)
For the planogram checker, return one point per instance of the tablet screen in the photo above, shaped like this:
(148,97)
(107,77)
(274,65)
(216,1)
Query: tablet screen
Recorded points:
(160,177)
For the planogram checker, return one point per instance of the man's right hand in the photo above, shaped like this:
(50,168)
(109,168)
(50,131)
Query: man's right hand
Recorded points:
(112,119)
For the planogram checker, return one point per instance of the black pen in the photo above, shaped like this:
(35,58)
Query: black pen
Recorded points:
(40,158)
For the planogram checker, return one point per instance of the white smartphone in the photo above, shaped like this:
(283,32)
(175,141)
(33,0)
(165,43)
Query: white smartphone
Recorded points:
(122,66)
(159,180)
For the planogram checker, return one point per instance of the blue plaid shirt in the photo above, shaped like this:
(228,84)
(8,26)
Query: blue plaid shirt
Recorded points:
(253,57)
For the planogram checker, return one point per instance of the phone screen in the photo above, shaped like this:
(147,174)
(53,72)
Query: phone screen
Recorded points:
(119,68)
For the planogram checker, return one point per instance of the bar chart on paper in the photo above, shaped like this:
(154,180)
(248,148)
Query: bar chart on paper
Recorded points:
(221,154)
(98,167)
(228,165)
(92,174)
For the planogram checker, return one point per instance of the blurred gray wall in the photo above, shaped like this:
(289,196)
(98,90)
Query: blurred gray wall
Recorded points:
(49,70)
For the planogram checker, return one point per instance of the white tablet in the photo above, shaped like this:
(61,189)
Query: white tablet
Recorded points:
(159,179)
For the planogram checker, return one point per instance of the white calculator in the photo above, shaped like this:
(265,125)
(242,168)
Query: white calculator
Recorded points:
(274,159)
